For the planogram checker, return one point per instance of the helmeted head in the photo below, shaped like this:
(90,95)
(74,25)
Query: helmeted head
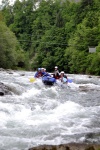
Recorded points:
(42,69)
(45,69)
(39,69)
(62,73)
(56,67)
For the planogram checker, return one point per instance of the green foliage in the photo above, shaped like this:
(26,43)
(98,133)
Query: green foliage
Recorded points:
(56,32)
(93,63)
(10,52)
(76,61)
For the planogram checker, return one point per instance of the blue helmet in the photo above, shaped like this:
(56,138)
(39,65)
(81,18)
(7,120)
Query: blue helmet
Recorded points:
(39,69)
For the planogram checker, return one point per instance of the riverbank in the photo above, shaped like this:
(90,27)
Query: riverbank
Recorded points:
(70,146)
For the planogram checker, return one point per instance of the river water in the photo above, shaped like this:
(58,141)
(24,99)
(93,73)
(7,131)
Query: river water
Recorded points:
(36,114)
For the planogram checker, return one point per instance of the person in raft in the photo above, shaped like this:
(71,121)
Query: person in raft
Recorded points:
(56,74)
(63,77)
(44,73)
(41,72)
(38,74)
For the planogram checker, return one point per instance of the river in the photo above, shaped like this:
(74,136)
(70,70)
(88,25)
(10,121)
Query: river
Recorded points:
(36,114)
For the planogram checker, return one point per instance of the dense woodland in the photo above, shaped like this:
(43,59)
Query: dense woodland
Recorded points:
(46,33)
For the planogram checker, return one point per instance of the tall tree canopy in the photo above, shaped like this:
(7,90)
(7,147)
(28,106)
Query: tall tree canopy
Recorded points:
(55,32)
(10,51)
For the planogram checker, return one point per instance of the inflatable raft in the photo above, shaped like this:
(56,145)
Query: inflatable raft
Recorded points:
(47,80)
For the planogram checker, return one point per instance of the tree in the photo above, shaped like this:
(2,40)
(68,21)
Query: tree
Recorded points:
(9,48)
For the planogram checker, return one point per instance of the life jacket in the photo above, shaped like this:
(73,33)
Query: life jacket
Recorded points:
(64,78)
(56,75)
(39,74)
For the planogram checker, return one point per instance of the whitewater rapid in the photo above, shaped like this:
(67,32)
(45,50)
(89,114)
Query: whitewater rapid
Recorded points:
(36,114)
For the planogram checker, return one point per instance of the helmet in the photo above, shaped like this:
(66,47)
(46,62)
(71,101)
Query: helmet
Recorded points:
(62,71)
(56,67)
(39,69)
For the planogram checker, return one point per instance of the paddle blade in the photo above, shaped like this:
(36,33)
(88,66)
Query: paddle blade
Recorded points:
(32,79)
(70,81)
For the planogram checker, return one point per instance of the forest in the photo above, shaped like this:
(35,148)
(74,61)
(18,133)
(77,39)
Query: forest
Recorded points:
(45,33)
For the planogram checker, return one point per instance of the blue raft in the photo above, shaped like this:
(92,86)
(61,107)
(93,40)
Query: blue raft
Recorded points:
(47,80)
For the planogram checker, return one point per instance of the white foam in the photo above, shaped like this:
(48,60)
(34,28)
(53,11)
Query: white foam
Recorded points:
(47,115)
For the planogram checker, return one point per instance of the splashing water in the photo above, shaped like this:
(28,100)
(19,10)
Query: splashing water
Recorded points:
(36,114)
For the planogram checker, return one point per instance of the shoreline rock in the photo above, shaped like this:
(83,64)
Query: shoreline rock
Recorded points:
(70,146)
(4,90)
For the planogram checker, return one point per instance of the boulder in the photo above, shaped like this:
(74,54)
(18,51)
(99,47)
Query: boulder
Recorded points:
(4,90)
(71,146)
(1,69)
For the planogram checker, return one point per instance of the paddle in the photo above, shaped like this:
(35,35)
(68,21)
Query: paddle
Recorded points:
(32,79)
(70,81)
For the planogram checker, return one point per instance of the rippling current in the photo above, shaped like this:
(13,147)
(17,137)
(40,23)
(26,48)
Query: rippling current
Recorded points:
(36,114)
